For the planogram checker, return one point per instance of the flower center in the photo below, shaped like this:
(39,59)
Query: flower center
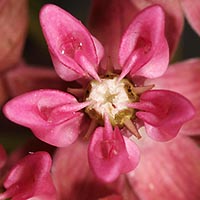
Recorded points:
(110,96)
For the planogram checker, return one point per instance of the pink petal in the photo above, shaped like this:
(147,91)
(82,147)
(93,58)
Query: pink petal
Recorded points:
(163,113)
(183,77)
(79,182)
(108,20)
(192,12)
(173,16)
(112,197)
(51,115)
(167,170)
(29,178)
(13,23)
(24,78)
(3,156)
(144,49)
(71,45)
(110,154)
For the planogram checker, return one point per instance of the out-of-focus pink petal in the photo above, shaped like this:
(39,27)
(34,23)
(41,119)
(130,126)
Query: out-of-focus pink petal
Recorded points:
(144,49)
(112,197)
(99,49)
(78,180)
(108,21)
(192,13)
(51,115)
(108,154)
(24,78)
(3,156)
(13,23)
(167,170)
(70,44)
(174,18)
(163,112)
(183,77)
(3,91)
(29,178)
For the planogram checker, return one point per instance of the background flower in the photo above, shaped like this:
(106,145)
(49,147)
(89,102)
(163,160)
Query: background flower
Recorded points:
(16,76)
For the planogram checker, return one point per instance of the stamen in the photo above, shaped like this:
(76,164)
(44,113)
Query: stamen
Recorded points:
(132,128)
(140,90)
(92,127)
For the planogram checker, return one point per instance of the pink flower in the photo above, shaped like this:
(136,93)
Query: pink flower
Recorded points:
(16,77)
(14,21)
(30,178)
(175,14)
(111,93)
(13,25)
(80,182)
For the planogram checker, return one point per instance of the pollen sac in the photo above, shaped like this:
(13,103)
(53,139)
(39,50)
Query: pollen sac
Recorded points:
(110,97)
(128,86)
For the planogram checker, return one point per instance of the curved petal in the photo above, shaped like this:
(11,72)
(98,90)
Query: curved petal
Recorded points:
(173,17)
(183,77)
(192,13)
(70,44)
(51,115)
(144,50)
(29,178)
(108,154)
(167,170)
(163,112)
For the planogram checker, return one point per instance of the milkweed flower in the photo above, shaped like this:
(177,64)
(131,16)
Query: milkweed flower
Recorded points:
(29,178)
(176,13)
(111,102)
(17,77)
(14,20)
